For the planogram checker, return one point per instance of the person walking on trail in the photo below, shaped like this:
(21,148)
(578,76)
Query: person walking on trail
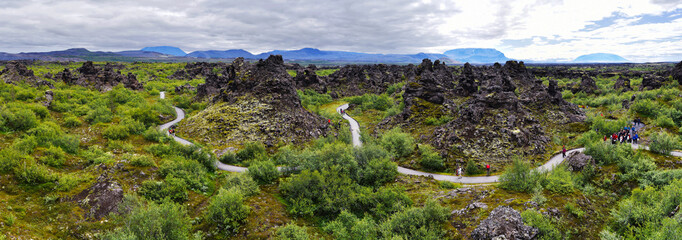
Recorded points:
(563,151)
(635,138)
(487,167)
(459,171)
(329,121)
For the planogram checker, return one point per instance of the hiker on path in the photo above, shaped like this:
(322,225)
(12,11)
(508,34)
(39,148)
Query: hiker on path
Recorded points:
(459,171)
(487,167)
(563,151)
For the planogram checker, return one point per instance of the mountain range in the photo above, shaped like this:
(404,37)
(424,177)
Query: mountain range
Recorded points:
(304,55)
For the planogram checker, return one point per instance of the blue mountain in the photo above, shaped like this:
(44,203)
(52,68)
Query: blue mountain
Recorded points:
(476,55)
(232,53)
(342,56)
(600,58)
(168,50)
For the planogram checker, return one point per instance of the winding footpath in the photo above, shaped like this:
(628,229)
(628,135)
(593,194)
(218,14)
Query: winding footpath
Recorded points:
(355,133)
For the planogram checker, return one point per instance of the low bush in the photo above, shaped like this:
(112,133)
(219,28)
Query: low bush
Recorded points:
(72,121)
(95,155)
(67,182)
(46,133)
(397,142)
(227,210)
(575,210)
(646,108)
(438,121)
(53,156)
(100,114)
(310,98)
(141,161)
(430,159)
(228,158)
(11,159)
(166,220)
(172,188)
(251,151)
(416,223)
(663,143)
(560,181)
(19,119)
(449,185)
(133,126)
(191,171)
(520,177)
(243,182)
(292,232)
(665,121)
(547,230)
(68,143)
(472,168)
(263,172)
(154,135)
(29,172)
(115,132)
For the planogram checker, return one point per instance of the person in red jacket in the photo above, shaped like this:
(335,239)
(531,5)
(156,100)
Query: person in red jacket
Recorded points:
(563,151)
(487,167)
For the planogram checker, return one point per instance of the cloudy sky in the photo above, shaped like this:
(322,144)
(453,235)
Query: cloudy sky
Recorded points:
(639,30)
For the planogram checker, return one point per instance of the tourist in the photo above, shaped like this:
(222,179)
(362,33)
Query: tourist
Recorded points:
(563,151)
(487,167)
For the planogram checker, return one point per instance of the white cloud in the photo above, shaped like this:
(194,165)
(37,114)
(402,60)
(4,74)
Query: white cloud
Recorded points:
(555,27)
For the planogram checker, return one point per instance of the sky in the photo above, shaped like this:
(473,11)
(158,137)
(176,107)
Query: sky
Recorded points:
(539,30)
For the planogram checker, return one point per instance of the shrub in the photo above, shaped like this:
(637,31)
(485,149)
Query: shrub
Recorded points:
(166,220)
(537,196)
(377,172)
(575,210)
(416,223)
(115,132)
(251,151)
(31,173)
(243,182)
(172,188)
(430,159)
(141,161)
(67,182)
(310,98)
(11,159)
(449,185)
(292,232)
(394,88)
(663,143)
(646,108)
(560,181)
(348,226)
(472,168)
(72,121)
(68,143)
(263,172)
(520,177)
(25,145)
(535,219)
(20,120)
(228,158)
(95,155)
(133,126)
(397,142)
(46,133)
(192,172)
(154,135)
(100,114)
(438,121)
(635,166)
(665,121)
(53,156)
(227,210)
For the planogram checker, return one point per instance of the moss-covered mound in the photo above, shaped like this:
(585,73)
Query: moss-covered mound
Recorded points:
(256,102)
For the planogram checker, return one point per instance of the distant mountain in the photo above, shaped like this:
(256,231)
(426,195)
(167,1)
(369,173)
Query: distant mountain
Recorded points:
(232,53)
(600,58)
(312,54)
(168,50)
(476,55)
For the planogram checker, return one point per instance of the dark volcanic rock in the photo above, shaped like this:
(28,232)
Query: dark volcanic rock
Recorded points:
(254,102)
(49,95)
(16,71)
(498,121)
(184,89)
(651,82)
(102,78)
(587,85)
(677,72)
(622,84)
(100,199)
(576,161)
(504,222)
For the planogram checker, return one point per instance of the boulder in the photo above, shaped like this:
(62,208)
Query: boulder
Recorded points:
(577,160)
(101,198)
(49,95)
(622,84)
(102,78)
(16,71)
(587,85)
(503,223)
(651,82)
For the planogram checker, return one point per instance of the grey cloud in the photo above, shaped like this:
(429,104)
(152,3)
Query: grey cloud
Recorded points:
(370,26)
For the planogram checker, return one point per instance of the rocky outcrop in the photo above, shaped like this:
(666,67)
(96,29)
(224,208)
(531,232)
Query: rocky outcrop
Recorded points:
(587,85)
(622,84)
(197,69)
(185,89)
(101,198)
(253,102)
(102,78)
(495,111)
(576,161)
(503,223)
(16,71)
(49,95)
(651,82)
(676,73)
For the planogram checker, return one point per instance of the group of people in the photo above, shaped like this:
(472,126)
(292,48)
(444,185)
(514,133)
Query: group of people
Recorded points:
(626,135)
